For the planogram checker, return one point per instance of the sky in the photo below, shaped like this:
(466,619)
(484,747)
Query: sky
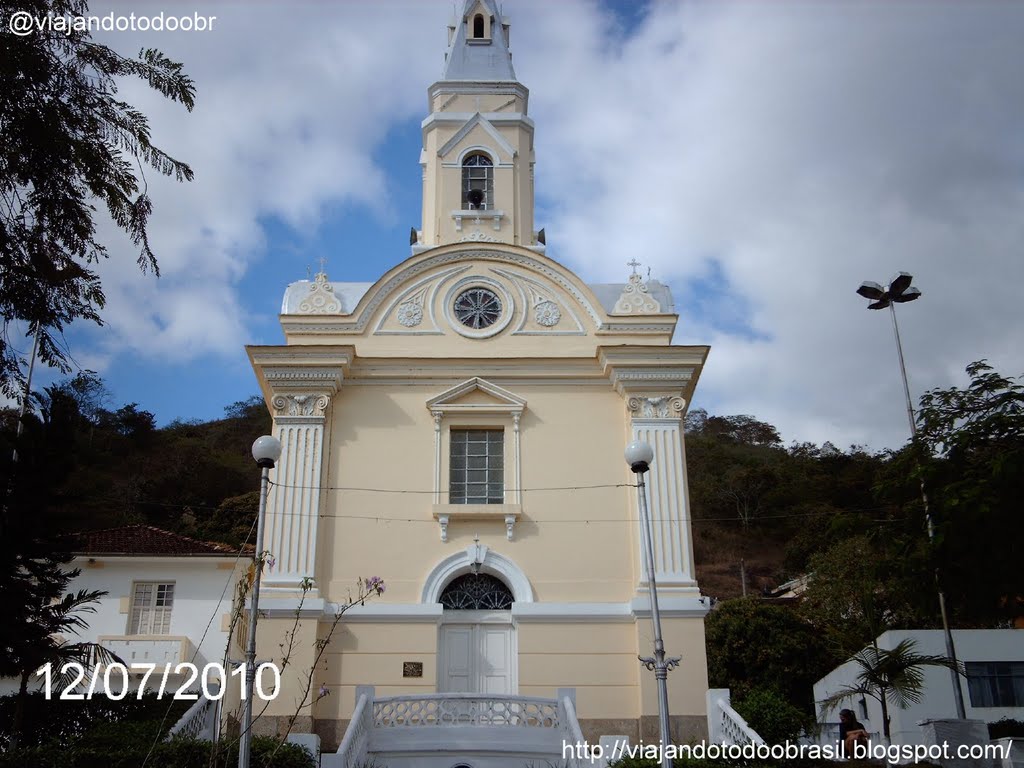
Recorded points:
(762,158)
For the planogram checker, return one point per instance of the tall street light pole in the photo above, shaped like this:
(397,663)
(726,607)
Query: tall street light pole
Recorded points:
(900,291)
(639,456)
(266,450)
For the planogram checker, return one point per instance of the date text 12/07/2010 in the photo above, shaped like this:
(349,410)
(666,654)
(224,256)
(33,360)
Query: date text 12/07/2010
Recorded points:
(117,681)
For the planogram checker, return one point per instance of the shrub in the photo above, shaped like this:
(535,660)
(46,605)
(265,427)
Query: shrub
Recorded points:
(59,722)
(774,718)
(178,753)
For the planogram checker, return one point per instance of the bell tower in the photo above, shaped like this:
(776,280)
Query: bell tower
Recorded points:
(477,155)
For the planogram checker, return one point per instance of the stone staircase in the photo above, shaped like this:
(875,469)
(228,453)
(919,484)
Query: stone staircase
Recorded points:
(440,730)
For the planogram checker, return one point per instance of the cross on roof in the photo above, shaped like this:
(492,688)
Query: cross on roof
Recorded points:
(634,264)
(323,262)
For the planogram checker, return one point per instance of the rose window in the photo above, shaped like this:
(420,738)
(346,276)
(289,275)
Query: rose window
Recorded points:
(477,308)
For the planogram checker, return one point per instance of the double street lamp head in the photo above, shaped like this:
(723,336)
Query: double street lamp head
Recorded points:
(900,291)
(639,456)
(266,450)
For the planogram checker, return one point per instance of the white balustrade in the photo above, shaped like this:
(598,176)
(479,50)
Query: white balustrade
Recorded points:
(198,722)
(725,724)
(447,709)
(569,726)
(355,745)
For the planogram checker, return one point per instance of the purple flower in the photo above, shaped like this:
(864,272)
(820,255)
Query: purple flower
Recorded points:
(324,690)
(374,584)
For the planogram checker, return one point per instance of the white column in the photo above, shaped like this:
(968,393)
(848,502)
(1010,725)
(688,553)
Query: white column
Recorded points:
(294,506)
(658,421)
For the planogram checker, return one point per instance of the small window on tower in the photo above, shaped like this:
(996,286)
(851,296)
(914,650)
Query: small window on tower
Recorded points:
(477,183)
(478,26)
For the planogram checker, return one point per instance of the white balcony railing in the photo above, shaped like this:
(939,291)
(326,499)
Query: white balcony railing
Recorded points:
(149,649)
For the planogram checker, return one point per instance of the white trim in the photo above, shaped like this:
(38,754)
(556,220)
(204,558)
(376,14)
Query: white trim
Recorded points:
(462,562)
(424,284)
(476,617)
(508,400)
(473,122)
(567,613)
(385,613)
(442,405)
(523,610)
(671,606)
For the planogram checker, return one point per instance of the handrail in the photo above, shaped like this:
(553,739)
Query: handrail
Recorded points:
(735,728)
(198,720)
(357,737)
(570,728)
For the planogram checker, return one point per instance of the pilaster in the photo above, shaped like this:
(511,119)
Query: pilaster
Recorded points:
(294,507)
(657,420)
(656,384)
(300,388)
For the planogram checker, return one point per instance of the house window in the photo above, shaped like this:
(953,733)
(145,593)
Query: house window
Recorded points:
(477,183)
(478,26)
(151,609)
(477,471)
(996,683)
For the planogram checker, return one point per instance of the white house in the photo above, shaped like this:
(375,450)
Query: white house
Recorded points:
(168,598)
(992,690)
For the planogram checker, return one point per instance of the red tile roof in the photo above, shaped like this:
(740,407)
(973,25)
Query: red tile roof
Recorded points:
(144,540)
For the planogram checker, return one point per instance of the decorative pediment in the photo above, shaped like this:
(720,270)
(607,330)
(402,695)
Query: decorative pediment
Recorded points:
(485,125)
(476,395)
(636,298)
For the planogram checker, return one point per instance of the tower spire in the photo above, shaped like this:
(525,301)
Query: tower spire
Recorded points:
(478,50)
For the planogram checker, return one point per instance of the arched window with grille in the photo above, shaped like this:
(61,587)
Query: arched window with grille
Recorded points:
(477,592)
(477,183)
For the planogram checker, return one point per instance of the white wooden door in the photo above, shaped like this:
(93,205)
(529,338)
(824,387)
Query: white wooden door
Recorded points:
(477,658)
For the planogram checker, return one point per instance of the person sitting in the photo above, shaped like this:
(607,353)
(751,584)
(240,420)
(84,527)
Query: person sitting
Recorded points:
(851,732)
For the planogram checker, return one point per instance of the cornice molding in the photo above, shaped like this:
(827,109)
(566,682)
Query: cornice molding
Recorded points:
(658,380)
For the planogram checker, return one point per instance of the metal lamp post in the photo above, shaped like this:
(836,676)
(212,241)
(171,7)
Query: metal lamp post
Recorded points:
(900,291)
(639,456)
(266,450)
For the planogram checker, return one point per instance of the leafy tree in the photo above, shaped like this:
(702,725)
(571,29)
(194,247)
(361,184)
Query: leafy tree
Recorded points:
(66,142)
(861,586)
(890,676)
(972,460)
(753,644)
(745,430)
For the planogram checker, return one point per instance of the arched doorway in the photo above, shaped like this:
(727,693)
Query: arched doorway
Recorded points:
(477,649)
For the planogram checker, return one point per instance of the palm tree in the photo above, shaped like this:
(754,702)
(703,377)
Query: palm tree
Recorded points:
(49,623)
(895,675)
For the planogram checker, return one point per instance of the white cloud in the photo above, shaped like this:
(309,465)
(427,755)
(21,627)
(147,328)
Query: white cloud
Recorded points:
(805,148)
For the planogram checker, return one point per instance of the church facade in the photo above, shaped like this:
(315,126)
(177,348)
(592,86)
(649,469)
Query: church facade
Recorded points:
(457,429)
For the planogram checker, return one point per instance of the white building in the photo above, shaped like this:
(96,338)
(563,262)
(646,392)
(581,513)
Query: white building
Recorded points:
(992,690)
(168,597)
